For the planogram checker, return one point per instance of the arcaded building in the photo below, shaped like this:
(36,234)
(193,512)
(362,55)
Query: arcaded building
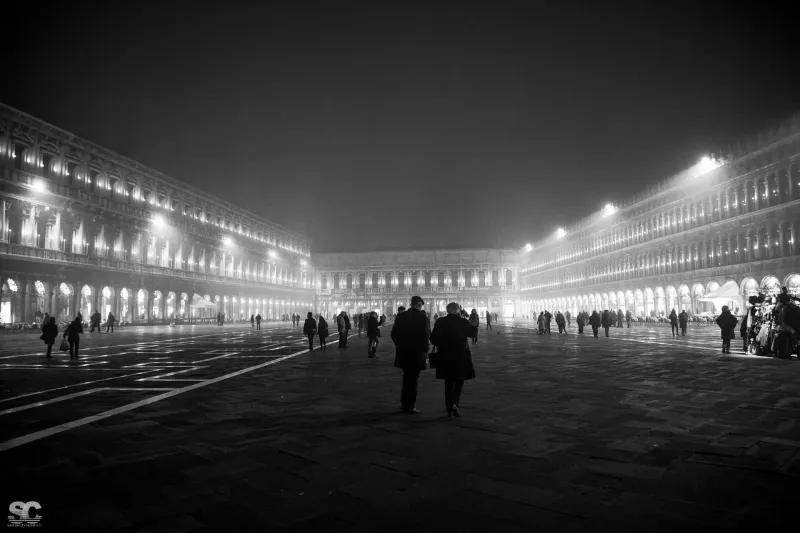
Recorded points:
(483,279)
(728,222)
(84,229)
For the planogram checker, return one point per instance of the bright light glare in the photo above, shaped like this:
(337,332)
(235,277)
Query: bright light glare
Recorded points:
(273,253)
(303,262)
(528,247)
(608,210)
(707,164)
(158,220)
(226,240)
(38,185)
(560,232)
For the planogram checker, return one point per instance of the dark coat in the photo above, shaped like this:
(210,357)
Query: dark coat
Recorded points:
(743,329)
(683,318)
(373,326)
(606,319)
(343,322)
(310,327)
(111,319)
(560,320)
(73,331)
(49,333)
(673,318)
(727,323)
(410,335)
(594,320)
(322,328)
(96,318)
(453,357)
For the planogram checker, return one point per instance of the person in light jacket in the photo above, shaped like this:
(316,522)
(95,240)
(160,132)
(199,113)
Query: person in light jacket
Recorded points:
(453,357)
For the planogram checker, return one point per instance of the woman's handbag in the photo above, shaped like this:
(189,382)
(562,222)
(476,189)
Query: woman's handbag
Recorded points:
(64,345)
(432,358)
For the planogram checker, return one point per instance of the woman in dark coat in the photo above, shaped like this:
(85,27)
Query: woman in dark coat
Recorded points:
(727,323)
(72,334)
(310,330)
(322,331)
(49,334)
(453,358)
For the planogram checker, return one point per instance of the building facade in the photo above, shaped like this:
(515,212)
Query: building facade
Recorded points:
(85,229)
(728,220)
(484,279)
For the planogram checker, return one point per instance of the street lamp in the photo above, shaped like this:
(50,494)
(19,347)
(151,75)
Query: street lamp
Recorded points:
(39,185)
(528,247)
(560,232)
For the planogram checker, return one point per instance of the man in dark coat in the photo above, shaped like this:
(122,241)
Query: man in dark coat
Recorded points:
(628,317)
(606,320)
(488,321)
(673,323)
(727,323)
(310,330)
(373,334)
(594,321)
(453,358)
(548,317)
(581,321)
(410,335)
(49,334)
(620,316)
(683,319)
(95,320)
(258,321)
(72,334)
(110,322)
(343,325)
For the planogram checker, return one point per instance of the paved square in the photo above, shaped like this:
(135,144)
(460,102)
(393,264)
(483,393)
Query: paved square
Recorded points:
(221,429)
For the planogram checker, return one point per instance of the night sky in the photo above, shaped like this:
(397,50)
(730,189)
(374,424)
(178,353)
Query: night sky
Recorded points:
(377,128)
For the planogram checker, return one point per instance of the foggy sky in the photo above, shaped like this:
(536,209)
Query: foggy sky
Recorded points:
(376,128)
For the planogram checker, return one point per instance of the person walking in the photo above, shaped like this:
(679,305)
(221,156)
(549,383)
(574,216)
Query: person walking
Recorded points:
(110,322)
(475,322)
(727,323)
(310,330)
(548,318)
(628,317)
(683,319)
(410,335)
(581,320)
(374,333)
(343,326)
(744,330)
(673,323)
(541,323)
(453,357)
(49,334)
(72,334)
(252,321)
(94,322)
(488,321)
(258,321)
(594,321)
(606,321)
(561,322)
(322,331)
(620,318)
(568,316)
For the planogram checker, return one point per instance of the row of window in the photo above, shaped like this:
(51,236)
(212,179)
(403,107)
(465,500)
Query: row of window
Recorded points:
(735,200)
(419,279)
(726,249)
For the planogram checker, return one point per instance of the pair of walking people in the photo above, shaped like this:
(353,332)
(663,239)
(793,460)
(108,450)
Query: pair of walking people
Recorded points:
(412,337)
(312,329)
(71,335)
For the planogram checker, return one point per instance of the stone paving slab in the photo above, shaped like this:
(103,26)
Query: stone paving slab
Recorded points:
(637,432)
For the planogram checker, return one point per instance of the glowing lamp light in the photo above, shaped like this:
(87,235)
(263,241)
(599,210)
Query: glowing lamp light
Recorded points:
(528,247)
(560,232)
(227,241)
(159,220)
(273,253)
(39,185)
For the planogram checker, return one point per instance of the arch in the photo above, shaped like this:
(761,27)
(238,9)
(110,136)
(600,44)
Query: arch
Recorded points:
(638,302)
(672,298)
(792,284)
(140,312)
(106,299)
(171,311)
(749,287)
(85,307)
(684,298)
(649,302)
(771,284)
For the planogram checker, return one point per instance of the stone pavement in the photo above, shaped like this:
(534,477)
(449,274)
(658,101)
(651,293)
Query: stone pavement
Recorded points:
(637,432)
